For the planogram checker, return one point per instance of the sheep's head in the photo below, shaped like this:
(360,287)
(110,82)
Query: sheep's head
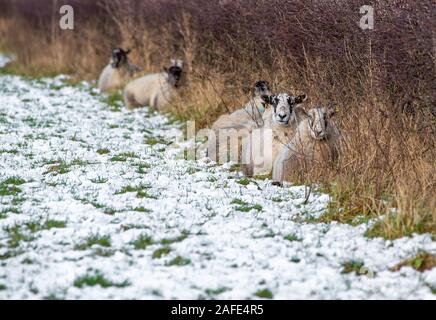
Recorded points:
(261,89)
(318,119)
(174,75)
(283,107)
(119,57)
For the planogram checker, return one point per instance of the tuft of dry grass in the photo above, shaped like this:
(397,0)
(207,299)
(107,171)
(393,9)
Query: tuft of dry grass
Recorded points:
(382,81)
(421,262)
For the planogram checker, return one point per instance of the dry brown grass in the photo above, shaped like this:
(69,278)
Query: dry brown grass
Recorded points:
(387,160)
(421,262)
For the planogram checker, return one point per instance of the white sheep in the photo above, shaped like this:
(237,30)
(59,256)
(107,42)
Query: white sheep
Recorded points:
(251,113)
(264,144)
(315,142)
(239,123)
(119,70)
(156,90)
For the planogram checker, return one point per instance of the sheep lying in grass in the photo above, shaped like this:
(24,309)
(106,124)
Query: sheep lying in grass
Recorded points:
(315,142)
(239,123)
(119,70)
(280,123)
(251,113)
(155,90)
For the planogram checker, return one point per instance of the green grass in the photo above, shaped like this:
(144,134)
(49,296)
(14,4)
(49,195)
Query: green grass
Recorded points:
(114,101)
(97,279)
(179,261)
(103,252)
(235,168)
(17,233)
(17,236)
(152,141)
(36,226)
(99,180)
(215,292)
(243,181)
(141,191)
(239,202)
(103,151)
(5,211)
(159,253)
(2,287)
(16,181)
(11,151)
(192,170)
(352,266)
(145,194)
(168,241)
(141,167)
(9,190)
(17,200)
(292,237)
(263,176)
(61,167)
(142,209)
(142,242)
(132,188)
(9,187)
(245,206)
(104,241)
(122,157)
(248,208)
(264,293)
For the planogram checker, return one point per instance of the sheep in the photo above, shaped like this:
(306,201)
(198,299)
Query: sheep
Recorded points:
(119,70)
(280,122)
(251,113)
(240,122)
(316,141)
(155,90)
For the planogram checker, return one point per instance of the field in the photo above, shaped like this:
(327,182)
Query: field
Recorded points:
(99,202)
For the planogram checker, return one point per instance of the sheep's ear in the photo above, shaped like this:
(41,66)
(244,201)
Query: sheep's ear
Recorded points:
(165,69)
(267,99)
(179,63)
(300,98)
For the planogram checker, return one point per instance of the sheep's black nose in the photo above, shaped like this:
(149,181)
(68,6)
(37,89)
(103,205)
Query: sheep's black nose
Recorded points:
(282,116)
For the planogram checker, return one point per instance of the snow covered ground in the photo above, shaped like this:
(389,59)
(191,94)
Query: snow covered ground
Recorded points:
(97,202)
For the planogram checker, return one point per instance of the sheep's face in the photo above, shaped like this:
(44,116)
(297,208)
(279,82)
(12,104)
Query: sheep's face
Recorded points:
(318,122)
(174,75)
(119,57)
(261,89)
(283,107)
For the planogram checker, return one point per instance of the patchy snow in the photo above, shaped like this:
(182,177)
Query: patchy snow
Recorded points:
(106,173)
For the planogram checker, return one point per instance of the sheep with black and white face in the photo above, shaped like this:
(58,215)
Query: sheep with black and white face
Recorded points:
(118,72)
(316,142)
(280,122)
(156,90)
